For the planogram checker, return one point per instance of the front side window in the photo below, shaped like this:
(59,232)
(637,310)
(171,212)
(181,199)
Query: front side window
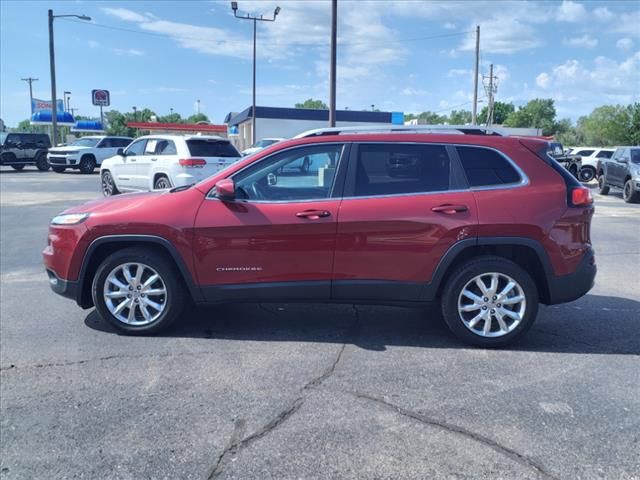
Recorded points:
(86,142)
(585,153)
(635,156)
(485,167)
(137,148)
(604,154)
(152,143)
(396,169)
(305,173)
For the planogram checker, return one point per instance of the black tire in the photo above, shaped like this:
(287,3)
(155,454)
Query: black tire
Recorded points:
(107,184)
(573,169)
(454,286)
(41,162)
(58,169)
(629,195)
(17,167)
(87,164)
(603,188)
(174,300)
(161,183)
(586,174)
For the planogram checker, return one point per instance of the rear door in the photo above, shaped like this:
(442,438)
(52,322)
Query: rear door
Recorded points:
(404,206)
(105,149)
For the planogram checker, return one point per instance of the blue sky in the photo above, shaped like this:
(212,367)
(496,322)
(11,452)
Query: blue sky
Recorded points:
(400,56)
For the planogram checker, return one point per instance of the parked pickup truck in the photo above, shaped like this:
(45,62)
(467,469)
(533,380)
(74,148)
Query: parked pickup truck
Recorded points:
(86,153)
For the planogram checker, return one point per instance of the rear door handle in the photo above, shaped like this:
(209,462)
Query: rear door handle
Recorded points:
(313,214)
(450,209)
(154,159)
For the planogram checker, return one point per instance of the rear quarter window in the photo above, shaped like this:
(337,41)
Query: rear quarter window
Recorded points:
(211,148)
(484,167)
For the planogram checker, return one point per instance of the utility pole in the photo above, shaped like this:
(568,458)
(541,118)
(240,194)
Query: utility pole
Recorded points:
(30,80)
(198,107)
(234,7)
(135,114)
(332,70)
(491,90)
(474,114)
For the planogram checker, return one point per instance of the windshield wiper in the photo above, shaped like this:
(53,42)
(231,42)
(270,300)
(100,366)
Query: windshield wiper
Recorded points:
(181,188)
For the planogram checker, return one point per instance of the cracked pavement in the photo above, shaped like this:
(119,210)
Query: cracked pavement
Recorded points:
(311,391)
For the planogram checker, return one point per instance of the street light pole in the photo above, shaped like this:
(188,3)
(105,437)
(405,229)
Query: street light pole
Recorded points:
(52,66)
(67,98)
(332,72)
(234,7)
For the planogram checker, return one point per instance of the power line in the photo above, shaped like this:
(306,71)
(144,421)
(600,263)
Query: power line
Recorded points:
(226,42)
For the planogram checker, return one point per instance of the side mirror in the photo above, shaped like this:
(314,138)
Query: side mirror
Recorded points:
(226,189)
(121,152)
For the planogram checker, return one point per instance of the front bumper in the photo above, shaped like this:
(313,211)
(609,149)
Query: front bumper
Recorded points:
(62,160)
(62,287)
(566,288)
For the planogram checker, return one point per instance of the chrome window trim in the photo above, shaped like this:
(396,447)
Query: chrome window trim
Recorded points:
(210,195)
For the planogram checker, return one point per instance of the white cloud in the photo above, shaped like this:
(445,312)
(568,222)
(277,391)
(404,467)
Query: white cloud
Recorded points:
(503,34)
(457,72)
(585,41)
(603,14)
(449,26)
(125,14)
(132,52)
(624,44)
(543,80)
(411,92)
(627,24)
(93,44)
(571,12)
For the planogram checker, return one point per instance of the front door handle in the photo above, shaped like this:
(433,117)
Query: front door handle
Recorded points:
(450,209)
(154,159)
(313,214)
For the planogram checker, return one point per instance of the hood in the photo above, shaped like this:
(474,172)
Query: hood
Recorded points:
(68,148)
(125,201)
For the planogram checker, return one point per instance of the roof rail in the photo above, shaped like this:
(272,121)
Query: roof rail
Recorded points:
(447,129)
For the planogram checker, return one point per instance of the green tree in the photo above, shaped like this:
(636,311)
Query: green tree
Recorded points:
(634,124)
(171,118)
(198,117)
(501,111)
(460,117)
(313,104)
(538,113)
(608,125)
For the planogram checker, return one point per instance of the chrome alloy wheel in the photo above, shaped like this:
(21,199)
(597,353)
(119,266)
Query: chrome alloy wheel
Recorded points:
(107,184)
(492,304)
(135,294)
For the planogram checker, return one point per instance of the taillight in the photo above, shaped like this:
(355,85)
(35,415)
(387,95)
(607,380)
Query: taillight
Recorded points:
(193,162)
(581,197)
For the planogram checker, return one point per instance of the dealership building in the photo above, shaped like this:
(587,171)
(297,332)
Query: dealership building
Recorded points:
(288,122)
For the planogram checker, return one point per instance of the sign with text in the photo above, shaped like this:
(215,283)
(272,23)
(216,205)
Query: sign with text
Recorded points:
(38,105)
(100,97)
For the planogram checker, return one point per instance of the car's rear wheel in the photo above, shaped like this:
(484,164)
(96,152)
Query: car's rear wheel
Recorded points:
(138,291)
(586,174)
(161,183)
(17,167)
(87,164)
(58,169)
(629,194)
(603,188)
(489,302)
(41,162)
(108,184)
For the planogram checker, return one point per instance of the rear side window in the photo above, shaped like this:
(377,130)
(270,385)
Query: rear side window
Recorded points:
(485,167)
(166,147)
(395,169)
(584,153)
(604,154)
(120,142)
(211,148)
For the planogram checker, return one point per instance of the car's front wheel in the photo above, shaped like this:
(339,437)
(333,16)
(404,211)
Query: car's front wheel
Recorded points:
(108,185)
(603,188)
(138,291)
(87,164)
(587,174)
(41,162)
(489,302)
(629,195)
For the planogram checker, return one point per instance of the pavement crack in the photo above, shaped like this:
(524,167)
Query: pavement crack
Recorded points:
(477,437)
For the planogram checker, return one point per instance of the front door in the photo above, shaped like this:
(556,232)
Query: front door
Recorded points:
(276,239)
(404,205)
(127,171)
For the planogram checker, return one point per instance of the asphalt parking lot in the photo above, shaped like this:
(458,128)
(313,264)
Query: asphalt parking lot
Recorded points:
(311,391)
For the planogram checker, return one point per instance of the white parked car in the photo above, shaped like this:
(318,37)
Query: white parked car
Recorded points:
(260,144)
(590,157)
(157,162)
(85,153)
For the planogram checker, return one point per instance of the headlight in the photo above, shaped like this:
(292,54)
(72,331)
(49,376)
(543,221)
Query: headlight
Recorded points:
(69,219)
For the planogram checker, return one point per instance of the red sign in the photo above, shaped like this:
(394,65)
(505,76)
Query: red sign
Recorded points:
(100,97)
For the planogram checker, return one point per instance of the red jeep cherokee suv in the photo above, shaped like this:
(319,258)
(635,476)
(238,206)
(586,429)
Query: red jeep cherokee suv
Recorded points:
(485,224)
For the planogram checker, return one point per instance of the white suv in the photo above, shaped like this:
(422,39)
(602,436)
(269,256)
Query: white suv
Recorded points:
(85,153)
(157,162)
(590,157)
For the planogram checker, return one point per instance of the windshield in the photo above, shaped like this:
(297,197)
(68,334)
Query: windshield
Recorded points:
(211,148)
(86,142)
(635,155)
(265,142)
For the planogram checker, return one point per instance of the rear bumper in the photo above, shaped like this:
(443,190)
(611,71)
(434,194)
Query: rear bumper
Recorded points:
(62,287)
(566,288)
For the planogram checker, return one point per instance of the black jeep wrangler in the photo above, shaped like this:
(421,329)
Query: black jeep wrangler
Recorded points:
(19,149)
